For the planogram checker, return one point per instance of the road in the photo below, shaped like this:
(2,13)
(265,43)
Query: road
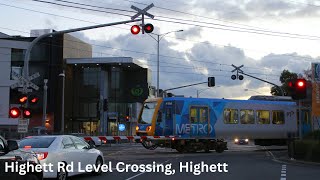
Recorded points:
(241,162)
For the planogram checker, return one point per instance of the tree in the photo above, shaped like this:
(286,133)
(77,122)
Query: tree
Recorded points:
(285,77)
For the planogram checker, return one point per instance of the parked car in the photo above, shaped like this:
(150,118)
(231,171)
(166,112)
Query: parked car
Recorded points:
(9,153)
(63,149)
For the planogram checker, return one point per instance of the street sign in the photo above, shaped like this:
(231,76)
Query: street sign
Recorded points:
(122,127)
(24,83)
(23,125)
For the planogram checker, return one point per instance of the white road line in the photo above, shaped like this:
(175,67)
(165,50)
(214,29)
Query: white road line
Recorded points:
(143,172)
(283,172)
(135,176)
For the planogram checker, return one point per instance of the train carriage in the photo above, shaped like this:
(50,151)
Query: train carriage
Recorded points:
(204,124)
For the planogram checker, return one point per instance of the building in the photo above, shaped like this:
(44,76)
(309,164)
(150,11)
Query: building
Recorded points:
(60,60)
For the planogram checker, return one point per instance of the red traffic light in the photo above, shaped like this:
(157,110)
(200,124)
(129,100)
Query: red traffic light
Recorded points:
(23,99)
(14,112)
(148,28)
(127,118)
(27,113)
(135,29)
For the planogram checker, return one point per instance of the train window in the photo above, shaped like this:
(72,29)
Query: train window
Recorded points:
(263,117)
(246,116)
(203,114)
(230,116)
(168,113)
(193,115)
(277,117)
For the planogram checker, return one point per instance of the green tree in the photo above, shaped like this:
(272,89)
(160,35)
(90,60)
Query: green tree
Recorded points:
(285,77)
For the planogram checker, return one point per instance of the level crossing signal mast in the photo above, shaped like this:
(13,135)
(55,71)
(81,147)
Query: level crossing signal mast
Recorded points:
(298,89)
(146,28)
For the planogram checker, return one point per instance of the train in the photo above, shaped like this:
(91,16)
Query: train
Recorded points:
(205,124)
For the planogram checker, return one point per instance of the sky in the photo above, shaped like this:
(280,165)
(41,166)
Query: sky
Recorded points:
(264,36)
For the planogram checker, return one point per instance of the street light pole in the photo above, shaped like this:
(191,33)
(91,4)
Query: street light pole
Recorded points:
(62,101)
(159,37)
(44,109)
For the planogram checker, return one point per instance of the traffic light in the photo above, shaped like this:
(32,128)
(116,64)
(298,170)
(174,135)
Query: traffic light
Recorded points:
(298,89)
(23,99)
(33,99)
(148,28)
(14,112)
(27,113)
(127,118)
(135,29)
(211,81)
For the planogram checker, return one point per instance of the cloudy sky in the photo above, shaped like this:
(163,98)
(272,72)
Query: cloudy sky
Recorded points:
(266,36)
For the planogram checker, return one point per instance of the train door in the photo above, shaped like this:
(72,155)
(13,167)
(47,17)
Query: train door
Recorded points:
(306,122)
(168,117)
(199,121)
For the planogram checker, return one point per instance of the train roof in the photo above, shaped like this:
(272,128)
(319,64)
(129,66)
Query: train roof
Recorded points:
(232,100)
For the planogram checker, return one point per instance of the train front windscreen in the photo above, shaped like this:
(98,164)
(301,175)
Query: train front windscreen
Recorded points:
(147,112)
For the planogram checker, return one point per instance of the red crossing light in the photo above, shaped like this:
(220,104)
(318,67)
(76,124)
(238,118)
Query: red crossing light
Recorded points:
(135,29)
(148,28)
(34,99)
(23,99)
(27,113)
(14,112)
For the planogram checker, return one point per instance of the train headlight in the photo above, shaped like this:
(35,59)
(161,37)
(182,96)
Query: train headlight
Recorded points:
(137,128)
(247,140)
(236,140)
(148,128)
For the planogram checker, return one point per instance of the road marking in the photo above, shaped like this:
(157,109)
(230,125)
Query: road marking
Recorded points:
(283,172)
(143,172)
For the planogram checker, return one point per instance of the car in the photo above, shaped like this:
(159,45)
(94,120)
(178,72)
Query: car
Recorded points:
(92,140)
(241,141)
(66,149)
(9,153)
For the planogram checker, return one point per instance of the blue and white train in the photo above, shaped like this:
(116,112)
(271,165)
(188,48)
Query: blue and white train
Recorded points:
(204,124)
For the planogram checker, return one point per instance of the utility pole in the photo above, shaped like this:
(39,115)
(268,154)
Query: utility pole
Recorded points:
(44,108)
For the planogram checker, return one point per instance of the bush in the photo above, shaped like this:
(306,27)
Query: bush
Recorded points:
(308,150)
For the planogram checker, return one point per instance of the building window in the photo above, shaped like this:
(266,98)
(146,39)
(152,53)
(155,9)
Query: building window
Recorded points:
(278,117)
(246,116)
(17,70)
(263,117)
(230,116)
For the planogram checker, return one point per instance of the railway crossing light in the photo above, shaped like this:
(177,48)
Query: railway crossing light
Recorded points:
(23,99)
(14,112)
(135,29)
(27,113)
(298,89)
(33,99)
(211,81)
(148,28)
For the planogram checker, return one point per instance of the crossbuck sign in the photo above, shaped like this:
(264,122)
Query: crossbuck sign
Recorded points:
(24,83)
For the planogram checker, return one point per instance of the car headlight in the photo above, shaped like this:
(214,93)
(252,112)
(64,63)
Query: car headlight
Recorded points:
(236,140)
(247,140)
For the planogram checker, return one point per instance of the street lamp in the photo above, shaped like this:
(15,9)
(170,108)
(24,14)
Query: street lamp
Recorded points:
(62,101)
(159,37)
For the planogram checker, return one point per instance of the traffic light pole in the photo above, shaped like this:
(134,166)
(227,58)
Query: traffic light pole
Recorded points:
(300,120)
(32,44)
